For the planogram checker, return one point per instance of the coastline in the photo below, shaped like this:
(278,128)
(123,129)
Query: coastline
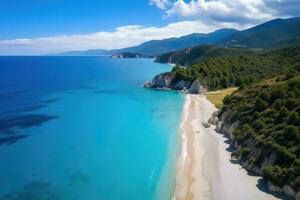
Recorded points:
(203,169)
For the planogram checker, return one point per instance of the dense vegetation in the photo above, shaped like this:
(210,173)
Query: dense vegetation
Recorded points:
(268,135)
(197,53)
(239,70)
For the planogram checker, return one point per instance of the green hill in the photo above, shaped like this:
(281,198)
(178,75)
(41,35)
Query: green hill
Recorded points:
(227,71)
(197,53)
(265,120)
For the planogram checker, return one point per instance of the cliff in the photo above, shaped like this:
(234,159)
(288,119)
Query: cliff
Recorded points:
(127,55)
(168,81)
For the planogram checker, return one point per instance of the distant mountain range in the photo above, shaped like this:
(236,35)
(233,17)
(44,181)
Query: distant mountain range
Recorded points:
(156,47)
(274,33)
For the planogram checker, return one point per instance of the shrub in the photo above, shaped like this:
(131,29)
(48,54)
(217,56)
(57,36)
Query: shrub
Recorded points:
(227,99)
(260,105)
(277,104)
(274,174)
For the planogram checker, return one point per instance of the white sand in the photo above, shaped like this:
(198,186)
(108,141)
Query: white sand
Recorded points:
(204,170)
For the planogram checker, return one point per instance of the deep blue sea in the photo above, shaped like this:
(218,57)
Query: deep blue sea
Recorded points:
(84,128)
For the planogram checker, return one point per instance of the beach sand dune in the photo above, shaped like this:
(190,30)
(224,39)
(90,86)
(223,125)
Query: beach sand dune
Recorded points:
(204,170)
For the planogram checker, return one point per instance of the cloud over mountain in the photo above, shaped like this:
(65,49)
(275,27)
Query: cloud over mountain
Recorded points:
(121,37)
(240,12)
(200,16)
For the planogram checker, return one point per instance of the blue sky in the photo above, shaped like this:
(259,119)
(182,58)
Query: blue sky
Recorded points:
(49,26)
(39,18)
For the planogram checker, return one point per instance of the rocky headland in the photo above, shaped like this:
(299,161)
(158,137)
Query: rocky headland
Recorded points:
(168,81)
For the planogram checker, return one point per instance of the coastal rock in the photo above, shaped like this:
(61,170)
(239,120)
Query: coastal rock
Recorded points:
(298,195)
(214,119)
(181,85)
(219,126)
(227,129)
(161,81)
(273,188)
(288,191)
(168,81)
(127,55)
(196,88)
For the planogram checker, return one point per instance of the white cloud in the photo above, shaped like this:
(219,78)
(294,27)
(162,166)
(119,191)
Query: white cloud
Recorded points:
(124,36)
(240,12)
(237,11)
(198,16)
(161,4)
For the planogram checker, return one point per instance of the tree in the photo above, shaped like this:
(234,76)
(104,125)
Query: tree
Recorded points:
(260,105)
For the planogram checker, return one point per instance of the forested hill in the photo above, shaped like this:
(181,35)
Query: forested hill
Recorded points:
(263,121)
(226,71)
(197,53)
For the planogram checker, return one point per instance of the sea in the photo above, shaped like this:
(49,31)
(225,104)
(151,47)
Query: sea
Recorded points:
(84,128)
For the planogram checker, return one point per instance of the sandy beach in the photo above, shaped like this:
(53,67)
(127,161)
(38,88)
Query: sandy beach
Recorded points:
(204,170)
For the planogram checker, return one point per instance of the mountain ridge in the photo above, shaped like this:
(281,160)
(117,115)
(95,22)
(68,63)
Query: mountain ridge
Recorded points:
(157,47)
(271,34)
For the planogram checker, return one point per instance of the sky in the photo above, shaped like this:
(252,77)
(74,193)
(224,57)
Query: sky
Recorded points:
(35,27)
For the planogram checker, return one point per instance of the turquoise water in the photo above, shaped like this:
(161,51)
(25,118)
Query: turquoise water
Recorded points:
(83,128)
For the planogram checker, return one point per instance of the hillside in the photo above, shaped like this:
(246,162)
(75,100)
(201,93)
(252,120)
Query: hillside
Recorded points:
(263,122)
(275,33)
(197,53)
(230,71)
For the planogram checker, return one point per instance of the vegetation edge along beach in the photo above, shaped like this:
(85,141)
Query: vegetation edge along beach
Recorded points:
(261,117)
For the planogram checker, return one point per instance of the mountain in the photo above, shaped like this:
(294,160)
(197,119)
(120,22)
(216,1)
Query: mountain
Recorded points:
(274,33)
(156,47)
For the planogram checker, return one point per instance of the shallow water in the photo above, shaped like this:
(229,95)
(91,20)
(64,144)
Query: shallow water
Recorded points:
(84,128)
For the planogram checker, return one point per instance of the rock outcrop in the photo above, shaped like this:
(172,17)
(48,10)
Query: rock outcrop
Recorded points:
(196,88)
(214,119)
(167,81)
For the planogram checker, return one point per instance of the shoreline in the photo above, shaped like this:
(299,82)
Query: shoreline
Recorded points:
(203,168)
